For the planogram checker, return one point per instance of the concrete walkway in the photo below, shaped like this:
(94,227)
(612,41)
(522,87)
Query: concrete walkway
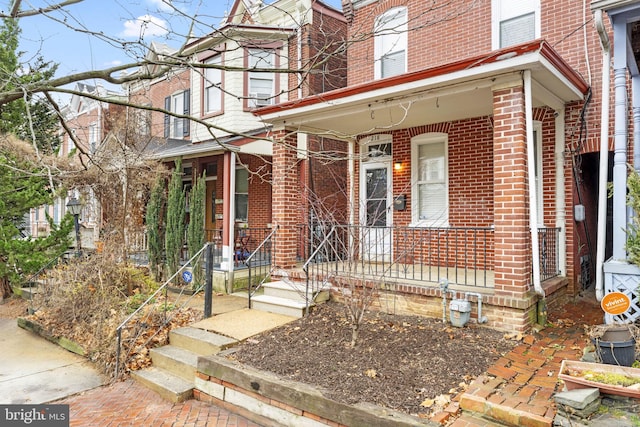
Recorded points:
(34,370)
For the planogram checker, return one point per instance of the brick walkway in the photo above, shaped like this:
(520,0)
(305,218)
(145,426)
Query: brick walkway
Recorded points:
(518,389)
(130,404)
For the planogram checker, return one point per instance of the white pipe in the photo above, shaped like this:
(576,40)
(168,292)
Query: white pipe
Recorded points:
(481,318)
(533,197)
(561,216)
(604,153)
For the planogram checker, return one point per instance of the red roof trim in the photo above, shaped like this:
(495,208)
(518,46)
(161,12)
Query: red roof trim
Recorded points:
(538,45)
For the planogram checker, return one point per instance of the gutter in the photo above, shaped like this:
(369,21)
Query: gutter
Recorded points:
(604,153)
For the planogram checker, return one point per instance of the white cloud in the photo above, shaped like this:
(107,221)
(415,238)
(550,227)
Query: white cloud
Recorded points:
(145,26)
(161,5)
(113,63)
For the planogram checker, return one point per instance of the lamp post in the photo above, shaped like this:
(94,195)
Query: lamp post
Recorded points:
(74,207)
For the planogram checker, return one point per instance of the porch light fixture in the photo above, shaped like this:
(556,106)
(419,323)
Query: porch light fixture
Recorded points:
(397,166)
(75,207)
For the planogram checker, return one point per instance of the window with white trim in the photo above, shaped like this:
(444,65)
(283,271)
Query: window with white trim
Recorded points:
(93,137)
(178,103)
(514,22)
(390,43)
(242,195)
(261,85)
(212,84)
(429,194)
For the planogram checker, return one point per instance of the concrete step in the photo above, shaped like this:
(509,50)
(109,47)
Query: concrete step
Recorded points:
(170,387)
(28,292)
(285,306)
(200,341)
(176,361)
(296,291)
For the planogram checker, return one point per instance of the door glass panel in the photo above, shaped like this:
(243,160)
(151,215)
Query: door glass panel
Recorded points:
(376,191)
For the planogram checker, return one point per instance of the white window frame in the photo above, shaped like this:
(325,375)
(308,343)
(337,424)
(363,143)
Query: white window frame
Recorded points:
(93,137)
(261,58)
(212,84)
(390,38)
(505,10)
(416,142)
(176,127)
(239,176)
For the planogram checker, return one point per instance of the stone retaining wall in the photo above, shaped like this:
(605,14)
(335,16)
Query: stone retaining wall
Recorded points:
(263,397)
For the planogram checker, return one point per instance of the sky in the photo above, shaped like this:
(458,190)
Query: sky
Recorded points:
(75,50)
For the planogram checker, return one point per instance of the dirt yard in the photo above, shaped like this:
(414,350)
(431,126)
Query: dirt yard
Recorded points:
(408,363)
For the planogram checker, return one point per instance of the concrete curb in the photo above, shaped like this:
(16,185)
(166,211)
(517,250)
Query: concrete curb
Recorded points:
(63,342)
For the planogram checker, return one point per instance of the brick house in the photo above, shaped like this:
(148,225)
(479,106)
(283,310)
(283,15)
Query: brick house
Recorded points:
(228,76)
(474,135)
(89,120)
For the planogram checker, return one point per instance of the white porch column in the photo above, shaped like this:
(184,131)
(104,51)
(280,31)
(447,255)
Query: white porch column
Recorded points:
(560,191)
(620,159)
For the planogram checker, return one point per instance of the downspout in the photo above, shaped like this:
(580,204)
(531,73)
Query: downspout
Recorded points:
(604,153)
(561,204)
(352,192)
(533,202)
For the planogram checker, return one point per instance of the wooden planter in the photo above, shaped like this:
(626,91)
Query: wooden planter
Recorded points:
(571,372)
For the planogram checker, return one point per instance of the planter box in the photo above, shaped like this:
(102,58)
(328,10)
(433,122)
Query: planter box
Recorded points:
(573,381)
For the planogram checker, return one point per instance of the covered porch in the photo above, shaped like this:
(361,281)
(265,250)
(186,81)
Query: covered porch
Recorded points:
(455,172)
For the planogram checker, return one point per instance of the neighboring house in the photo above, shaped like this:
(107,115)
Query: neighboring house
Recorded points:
(622,45)
(226,140)
(475,141)
(89,121)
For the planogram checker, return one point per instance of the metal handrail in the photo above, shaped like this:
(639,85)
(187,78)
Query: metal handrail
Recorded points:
(52,262)
(312,258)
(262,244)
(163,288)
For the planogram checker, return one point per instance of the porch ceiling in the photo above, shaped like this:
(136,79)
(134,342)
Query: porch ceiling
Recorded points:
(451,92)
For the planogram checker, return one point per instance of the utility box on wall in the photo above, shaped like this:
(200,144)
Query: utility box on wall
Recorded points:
(400,202)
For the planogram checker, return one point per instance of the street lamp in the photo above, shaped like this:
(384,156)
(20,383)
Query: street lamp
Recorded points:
(74,207)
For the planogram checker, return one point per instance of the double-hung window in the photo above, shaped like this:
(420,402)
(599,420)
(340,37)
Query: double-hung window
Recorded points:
(178,103)
(391,43)
(242,195)
(261,84)
(212,84)
(93,137)
(430,205)
(515,22)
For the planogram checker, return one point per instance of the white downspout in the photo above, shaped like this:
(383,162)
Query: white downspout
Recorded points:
(352,189)
(533,203)
(561,205)
(604,153)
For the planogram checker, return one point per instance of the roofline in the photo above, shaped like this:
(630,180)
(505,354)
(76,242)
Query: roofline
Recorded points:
(541,46)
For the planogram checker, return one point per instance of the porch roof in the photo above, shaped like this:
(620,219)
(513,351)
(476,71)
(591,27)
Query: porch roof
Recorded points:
(453,91)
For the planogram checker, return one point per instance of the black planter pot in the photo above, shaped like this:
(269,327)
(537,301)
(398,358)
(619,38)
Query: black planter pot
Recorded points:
(616,346)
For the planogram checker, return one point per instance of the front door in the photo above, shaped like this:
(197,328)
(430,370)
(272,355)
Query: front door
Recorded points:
(376,211)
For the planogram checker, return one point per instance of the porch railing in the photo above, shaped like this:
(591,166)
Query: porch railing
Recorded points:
(548,239)
(464,255)
(246,241)
(259,263)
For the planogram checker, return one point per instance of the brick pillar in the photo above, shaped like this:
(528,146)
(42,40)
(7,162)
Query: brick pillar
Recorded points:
(512,248)
(285,198)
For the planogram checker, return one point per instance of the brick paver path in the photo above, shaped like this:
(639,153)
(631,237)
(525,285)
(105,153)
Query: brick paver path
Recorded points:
(130,404)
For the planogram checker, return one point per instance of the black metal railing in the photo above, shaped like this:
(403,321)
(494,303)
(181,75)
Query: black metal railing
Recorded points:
(464,255)
(133,335)
(246,240)
(548,238)
(258,263)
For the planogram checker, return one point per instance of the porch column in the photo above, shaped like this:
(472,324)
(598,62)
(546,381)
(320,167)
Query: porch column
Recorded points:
(620,141)
(228,209)
(512,249)
(285,198)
